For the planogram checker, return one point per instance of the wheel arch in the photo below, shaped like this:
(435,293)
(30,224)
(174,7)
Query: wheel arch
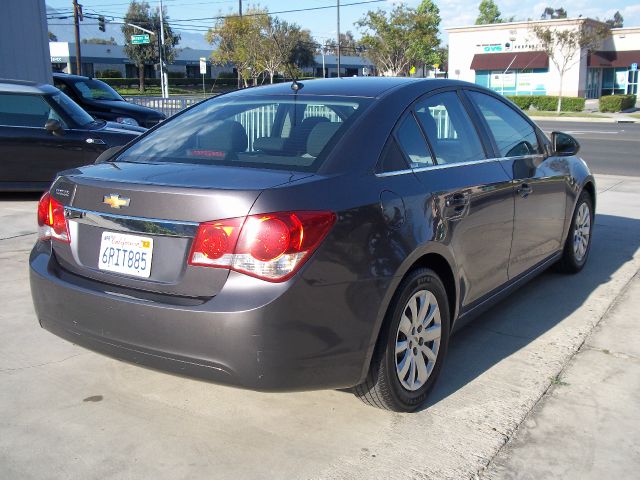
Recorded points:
(435,257)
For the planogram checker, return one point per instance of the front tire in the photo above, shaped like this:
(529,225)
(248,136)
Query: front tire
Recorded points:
(578,243)
(412,345)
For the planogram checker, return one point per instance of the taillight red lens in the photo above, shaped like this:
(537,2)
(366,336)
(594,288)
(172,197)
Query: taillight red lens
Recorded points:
(271,246)
(51,220)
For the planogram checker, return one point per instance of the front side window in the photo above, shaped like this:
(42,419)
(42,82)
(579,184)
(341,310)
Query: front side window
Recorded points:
(21,110)
(71,109)
(514,136)
(287,132)
(451,134)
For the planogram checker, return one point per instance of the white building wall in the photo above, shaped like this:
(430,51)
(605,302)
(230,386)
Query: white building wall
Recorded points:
(465,42)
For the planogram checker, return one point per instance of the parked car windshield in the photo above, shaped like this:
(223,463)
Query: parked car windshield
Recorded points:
(293,132)
(71,110)
(96,90)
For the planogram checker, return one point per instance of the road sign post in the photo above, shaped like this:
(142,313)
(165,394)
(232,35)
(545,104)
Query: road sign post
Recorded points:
(203,72)
(140,39)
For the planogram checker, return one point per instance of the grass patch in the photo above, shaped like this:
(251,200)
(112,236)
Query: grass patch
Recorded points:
(557,381)
(536,113)
(634,115)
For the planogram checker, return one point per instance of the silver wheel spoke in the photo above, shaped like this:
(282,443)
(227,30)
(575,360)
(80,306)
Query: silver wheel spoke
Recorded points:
(401,346)
(421,366)
(432,333)
(403,366)
(431,356)
(405,326)
(425,303)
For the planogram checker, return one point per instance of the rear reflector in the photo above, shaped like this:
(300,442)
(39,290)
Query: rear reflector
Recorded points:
(51,220)
(271,246)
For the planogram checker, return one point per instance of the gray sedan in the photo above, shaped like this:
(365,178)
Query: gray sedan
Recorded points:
(331,234)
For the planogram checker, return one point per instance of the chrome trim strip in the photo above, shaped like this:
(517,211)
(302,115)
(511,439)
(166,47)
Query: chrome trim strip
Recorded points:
(453,165)
(125,223)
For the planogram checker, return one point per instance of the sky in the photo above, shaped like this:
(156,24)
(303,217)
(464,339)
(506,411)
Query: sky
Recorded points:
(322,23)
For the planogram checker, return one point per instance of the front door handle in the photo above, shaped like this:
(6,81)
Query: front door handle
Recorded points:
(458,200)
(456,206)
(524,190)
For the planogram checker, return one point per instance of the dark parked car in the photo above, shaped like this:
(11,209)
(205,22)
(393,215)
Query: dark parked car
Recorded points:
(42,131)
(329,235)
(102,101)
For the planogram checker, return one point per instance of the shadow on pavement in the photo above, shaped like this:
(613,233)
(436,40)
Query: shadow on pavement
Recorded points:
(535,308)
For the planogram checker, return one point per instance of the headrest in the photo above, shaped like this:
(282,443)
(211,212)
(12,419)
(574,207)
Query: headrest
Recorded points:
(269,144)
(320,136)
(228,136)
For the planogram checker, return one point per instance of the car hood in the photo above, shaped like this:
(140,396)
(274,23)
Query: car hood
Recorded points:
(124,107)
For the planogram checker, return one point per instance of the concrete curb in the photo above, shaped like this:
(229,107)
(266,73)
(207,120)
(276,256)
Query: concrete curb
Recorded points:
(584,119)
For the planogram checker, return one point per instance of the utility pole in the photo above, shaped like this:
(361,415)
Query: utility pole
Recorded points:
(240,15)
(163,80)
(338,38)
(77,13)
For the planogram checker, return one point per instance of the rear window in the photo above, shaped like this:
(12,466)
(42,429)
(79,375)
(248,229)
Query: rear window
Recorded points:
(282,132)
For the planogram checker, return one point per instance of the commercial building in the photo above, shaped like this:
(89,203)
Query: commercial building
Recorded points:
(508,58)
(98,58)
(23,41)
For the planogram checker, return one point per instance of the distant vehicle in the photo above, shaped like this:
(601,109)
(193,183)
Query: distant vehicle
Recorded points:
(331,236)
(42,131)
(102,101)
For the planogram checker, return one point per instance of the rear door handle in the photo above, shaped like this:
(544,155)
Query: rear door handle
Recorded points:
(458,200)
(524,190)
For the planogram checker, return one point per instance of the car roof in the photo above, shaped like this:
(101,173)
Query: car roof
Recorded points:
(370,87)
(25,86)
(70,76)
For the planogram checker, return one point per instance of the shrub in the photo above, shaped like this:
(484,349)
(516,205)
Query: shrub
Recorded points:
(522,101)
(617,103)
(176,74)
(548,103)
(108,73)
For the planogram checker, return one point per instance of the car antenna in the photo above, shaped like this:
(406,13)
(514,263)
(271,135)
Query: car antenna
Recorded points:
(295,85)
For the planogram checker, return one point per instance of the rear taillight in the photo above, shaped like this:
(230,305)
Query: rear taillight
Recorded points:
(51,221)
(271,246)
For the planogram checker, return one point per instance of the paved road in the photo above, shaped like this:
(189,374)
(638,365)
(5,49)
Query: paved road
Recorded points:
(608,148)
(69,413)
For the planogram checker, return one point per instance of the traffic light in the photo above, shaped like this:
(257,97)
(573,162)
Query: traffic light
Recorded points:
(101,25)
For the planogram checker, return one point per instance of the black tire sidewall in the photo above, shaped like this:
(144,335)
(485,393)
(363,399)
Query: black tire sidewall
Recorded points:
(421,279)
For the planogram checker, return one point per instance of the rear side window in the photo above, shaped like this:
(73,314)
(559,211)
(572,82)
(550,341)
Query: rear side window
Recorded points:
(25,110)
(451,134)
(412,142)
(287,132)
(514,136)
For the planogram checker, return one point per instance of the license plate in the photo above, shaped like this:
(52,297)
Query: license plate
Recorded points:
(127,254)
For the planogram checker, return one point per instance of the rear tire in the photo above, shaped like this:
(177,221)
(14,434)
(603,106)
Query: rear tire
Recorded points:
(578,243)
(411,347)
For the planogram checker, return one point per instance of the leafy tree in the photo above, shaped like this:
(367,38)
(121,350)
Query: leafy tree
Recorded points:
(550,13)
(566,46)
(52,37)
(348,45)
(405,36)
(488,12)
(140,14)
(617,21)
(238,41)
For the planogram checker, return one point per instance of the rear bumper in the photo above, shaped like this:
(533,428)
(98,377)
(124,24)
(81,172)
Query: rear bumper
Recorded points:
(253,334)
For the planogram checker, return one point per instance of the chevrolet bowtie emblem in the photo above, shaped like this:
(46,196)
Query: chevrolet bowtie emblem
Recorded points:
(116,201)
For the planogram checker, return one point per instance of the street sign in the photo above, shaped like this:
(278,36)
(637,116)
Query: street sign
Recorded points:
(140,39)
(203,65)
(634,67)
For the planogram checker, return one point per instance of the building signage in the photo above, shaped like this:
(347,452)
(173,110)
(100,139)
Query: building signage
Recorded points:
(492,48)
(634,67)
(140,39)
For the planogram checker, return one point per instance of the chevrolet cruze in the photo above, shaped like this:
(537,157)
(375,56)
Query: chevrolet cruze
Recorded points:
(330,234)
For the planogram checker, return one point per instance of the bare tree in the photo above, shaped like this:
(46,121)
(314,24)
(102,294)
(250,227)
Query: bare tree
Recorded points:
(566,45)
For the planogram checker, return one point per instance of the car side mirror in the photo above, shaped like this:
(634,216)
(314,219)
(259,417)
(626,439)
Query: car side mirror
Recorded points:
(54,126)
(564,144)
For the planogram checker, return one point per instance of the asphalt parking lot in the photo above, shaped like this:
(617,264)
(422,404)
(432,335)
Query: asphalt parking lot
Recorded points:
(69,413)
